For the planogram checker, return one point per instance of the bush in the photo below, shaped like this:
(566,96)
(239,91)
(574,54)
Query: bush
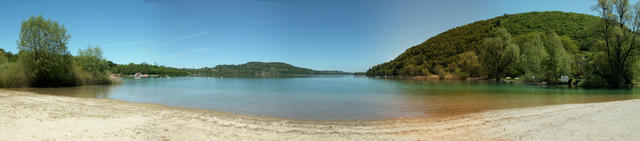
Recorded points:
(593,81)
(13,75)
(468,65)
(90,67)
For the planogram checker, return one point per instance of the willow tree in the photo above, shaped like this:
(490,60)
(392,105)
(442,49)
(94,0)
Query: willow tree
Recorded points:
(498,53)
(559,62)
(532,56)
(618,48)
(43,50)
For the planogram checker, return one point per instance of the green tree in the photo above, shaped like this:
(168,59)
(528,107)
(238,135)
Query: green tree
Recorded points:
(532,55)
(93,67)
(619,47)
(498,53)
(570,45)
(468,64)
(558,62)
(43,49)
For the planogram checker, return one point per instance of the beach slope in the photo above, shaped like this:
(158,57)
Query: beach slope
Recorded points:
(29,116)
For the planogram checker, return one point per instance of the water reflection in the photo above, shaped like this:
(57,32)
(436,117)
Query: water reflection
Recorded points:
(447,98)
(337,97)
(87,91)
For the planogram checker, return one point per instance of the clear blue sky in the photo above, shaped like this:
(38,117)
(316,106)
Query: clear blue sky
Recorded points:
(348,35)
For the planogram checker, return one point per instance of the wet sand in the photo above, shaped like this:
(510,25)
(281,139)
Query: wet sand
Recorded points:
(30,116)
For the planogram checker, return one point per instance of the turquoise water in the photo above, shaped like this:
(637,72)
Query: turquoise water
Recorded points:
(337,97)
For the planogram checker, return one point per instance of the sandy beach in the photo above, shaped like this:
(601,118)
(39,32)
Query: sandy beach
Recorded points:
(30,116)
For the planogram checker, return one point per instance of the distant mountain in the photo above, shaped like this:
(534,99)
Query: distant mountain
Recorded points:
(262,69)
(442,49)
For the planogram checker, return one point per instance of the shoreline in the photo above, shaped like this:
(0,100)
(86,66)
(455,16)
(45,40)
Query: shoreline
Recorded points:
(31,116)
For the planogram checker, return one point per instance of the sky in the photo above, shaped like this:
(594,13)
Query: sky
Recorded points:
(346,35)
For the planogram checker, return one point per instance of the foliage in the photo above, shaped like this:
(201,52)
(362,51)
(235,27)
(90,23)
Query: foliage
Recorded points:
(559,61)
(635,74)
(570,45)
(439,70)
(146,68)
(12,74)
(596,66)
(10,56)
(619,47)
(331,72)
(498,53)
(261,69)
(442,48)
(249,69)
(91,66)
(532,54)
(3,58)
(467,65)
(43,51)
(43,61)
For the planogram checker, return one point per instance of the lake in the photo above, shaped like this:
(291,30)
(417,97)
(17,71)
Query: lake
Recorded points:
(337,97)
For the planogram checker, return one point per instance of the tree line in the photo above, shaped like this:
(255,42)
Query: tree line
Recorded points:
(261,69)
(437,53)
(146,68)
(598,52)
(43,59)
(613,61)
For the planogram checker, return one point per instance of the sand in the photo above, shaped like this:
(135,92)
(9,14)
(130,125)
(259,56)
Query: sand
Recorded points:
(29,116)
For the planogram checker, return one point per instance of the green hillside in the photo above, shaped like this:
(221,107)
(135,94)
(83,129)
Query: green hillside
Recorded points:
(437,52)
(261,69)
(249,69)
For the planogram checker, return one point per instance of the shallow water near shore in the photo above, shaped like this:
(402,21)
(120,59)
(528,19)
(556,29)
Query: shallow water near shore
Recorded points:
(337,97)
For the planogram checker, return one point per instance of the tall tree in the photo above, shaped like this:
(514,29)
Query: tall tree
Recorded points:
(559,61)
(532,55)
(43,48)
(618,29)
(498,53)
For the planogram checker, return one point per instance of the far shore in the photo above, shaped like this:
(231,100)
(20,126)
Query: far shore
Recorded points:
(30,116)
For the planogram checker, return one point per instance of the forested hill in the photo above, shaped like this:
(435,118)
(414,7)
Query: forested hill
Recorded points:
(261,69)
(249,69)
(435,54)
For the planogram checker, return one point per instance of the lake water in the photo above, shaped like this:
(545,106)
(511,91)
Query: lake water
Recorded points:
(337,97)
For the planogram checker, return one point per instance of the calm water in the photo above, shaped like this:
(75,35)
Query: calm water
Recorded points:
(337,97)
